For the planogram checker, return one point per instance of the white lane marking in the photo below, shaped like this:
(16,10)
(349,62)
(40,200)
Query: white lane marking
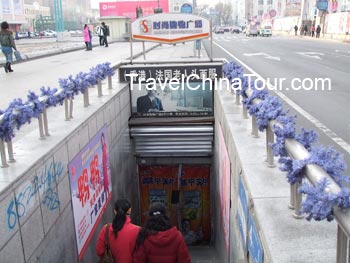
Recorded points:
(315,55)
(262,54)
(332,135)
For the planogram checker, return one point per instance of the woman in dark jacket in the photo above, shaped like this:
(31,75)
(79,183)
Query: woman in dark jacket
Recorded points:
(7,44)
(158,241)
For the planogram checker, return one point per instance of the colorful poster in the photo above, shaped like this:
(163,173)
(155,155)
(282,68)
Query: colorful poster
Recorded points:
(187,199)
(128,8)
(91,187)
(17,6)
(195,215)
(225,185)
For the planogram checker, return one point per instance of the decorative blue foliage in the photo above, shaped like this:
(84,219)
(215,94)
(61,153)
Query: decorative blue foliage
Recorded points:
(19,113)
(319,202)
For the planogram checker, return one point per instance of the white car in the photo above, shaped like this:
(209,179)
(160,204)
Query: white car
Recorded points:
(265,31)
(50,33)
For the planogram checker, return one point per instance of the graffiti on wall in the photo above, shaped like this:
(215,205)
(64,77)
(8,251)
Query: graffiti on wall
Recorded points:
(44,184)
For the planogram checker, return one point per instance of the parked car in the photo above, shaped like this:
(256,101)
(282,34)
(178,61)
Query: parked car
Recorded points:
(251,31)
(49,33)
(236,30)
(219,30)
(22,34)
(265,31)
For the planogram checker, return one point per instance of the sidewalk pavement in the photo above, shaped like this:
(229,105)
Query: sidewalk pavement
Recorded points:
(323,37)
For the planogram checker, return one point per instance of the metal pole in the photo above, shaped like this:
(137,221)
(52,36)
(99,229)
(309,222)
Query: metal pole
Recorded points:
(211,39)
(3,154)
(342,246)
(238,98)
(270,137)
(109,82)
(70,108)
(41,128)
(99,88)
(199,48)
(46,123)
(245,113)
(131,53)
(255,131)
(66,110)
(292,197)
(10,152)
(144,50)
(86,98)
(298,198)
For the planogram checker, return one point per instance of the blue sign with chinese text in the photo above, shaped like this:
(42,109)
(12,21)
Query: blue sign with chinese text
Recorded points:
(322,5)
(242,212)
(254,245)
(186,8)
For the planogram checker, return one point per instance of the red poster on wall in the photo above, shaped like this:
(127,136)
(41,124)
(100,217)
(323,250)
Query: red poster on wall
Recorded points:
(185,191)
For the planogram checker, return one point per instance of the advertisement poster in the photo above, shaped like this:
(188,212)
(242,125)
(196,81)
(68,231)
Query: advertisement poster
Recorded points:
(6,6)
(167,91)
(128,8)
(91,187)
(188,205)
(17,6)
(224,178)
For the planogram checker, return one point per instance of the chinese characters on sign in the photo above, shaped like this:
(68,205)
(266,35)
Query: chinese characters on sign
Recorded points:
(91,188)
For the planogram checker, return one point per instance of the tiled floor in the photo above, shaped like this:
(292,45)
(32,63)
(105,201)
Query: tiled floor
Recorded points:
(203,254)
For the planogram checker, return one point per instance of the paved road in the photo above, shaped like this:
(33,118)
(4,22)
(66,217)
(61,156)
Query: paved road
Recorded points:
(296,57)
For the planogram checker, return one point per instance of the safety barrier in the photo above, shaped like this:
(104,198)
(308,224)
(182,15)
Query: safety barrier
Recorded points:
(327,198)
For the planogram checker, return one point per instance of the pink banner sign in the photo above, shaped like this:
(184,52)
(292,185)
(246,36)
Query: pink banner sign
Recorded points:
(128,8)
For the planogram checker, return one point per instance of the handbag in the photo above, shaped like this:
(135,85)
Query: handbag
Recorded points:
(107,256)
(18,55)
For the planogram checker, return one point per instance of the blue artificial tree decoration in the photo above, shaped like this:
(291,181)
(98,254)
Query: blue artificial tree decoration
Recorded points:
(285,129)
(52,100)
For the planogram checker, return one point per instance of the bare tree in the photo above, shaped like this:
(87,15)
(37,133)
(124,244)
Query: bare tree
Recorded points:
(224,12)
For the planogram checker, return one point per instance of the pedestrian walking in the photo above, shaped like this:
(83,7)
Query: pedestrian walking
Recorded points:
(158,241)
(99,32)
(318,31)
(105,31)
(312,30)
(121,233)
(302,30)
(305,30)
(87,37)
(90,43)
(296,29)
(7,44)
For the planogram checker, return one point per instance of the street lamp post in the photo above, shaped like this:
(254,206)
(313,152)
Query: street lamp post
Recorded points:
(58,16)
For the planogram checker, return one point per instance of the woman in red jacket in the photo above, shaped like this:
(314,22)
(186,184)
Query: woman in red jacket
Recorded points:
(122,234)
(158,241)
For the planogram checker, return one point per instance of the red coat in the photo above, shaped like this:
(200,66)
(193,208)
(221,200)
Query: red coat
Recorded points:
(123,246)
(164,247)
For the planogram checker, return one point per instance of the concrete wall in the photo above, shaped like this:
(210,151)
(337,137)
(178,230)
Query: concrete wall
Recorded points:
(284,238)
(36,216)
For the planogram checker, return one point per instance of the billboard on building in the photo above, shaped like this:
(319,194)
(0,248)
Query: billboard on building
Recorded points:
(293,8)
(128,8)
(91,187)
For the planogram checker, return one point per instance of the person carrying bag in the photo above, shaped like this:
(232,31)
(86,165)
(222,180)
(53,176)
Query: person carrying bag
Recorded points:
(107,256)
(7,44)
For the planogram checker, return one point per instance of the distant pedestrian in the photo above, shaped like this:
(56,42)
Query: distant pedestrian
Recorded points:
(305,30)
(318,31)
(7,44)
(99,32)
(105,31)
(122,234)
(87,37)
(302,30)
(312,30)
(90,43)
(296,29)
(158,241)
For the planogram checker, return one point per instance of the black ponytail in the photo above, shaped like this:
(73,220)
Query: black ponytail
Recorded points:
(121,206)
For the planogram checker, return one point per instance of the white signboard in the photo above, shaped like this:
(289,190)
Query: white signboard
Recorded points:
(170,28)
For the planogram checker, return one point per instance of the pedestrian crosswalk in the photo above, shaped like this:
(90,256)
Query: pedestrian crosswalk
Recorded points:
(238,37)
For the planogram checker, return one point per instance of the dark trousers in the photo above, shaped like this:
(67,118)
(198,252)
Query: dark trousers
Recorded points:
(105,42)
(101,40)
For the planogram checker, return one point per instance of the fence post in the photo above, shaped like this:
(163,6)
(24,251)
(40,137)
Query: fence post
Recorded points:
(86,97)
(10,152)
(298,199)
(270,137)
(238,101)
(245,113)
(41,127)
(292,197)
(255,131)
(342,246)
(109,82)
(46,124)
(70,108)
(99,88)
(66,109)
(3,154)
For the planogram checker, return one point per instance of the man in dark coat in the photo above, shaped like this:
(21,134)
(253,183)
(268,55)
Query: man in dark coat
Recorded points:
(149,103)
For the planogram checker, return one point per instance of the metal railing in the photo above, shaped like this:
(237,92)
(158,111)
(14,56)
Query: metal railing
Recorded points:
(313,173)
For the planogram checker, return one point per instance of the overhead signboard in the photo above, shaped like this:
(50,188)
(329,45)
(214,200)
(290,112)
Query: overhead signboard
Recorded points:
(322,5)
(186,8)
(170,28)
